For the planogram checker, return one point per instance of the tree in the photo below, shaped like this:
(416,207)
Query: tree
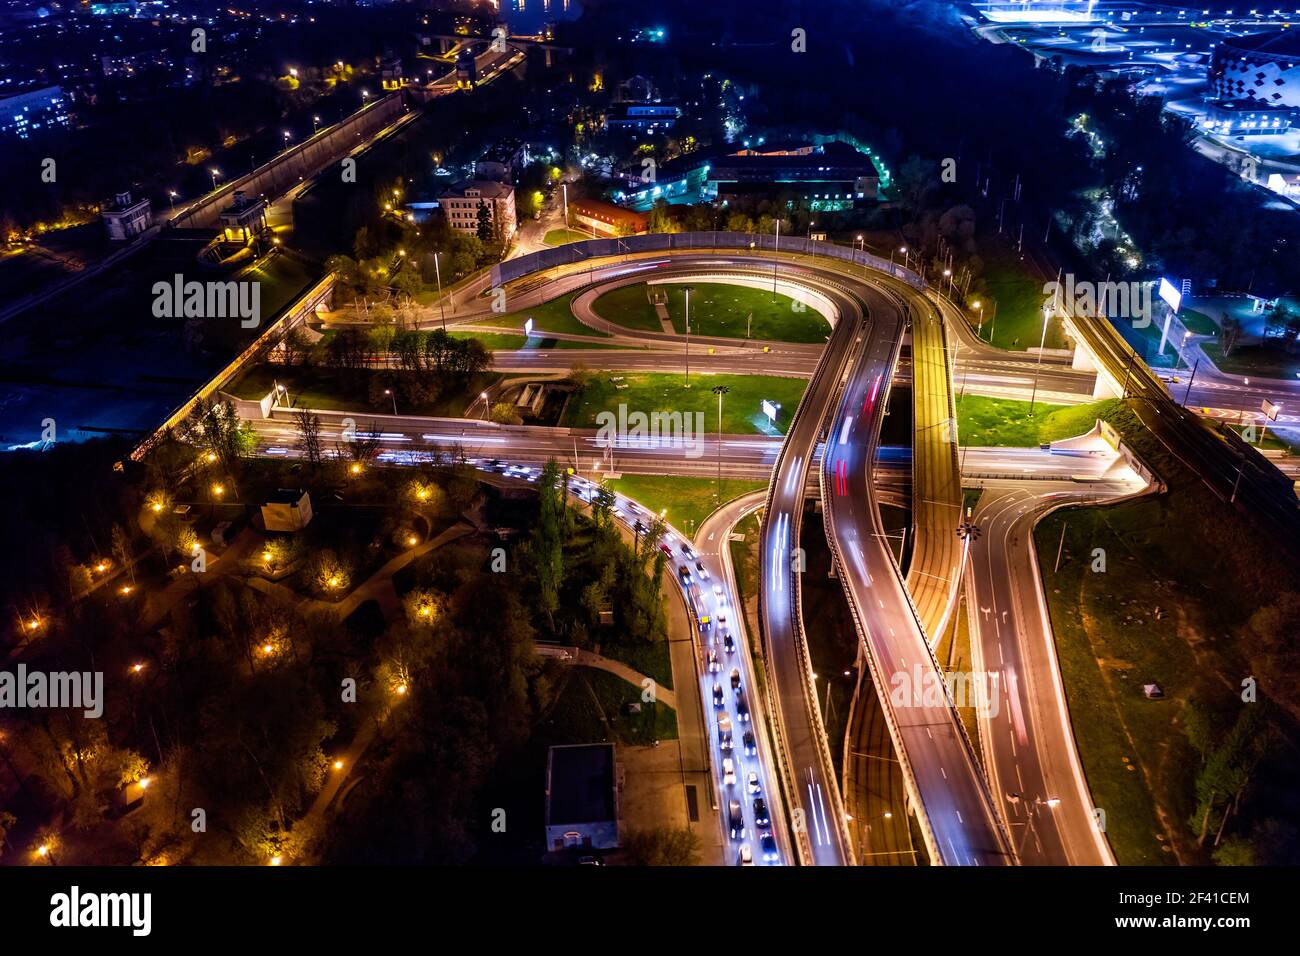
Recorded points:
(123,551)
(486,230)
(308,425)
(505,413)
(661,217)
(364,245)
(215,426)
(408,282)
(548,536)
(662,846)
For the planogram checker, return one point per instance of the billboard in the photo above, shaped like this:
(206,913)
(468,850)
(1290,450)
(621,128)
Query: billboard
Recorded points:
(1170,294)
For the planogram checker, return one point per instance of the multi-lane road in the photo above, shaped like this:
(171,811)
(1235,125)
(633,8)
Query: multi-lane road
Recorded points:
(834,435)
(1034,767)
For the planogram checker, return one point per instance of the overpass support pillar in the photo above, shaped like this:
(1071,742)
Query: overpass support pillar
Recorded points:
(1081,360)
(1102,387)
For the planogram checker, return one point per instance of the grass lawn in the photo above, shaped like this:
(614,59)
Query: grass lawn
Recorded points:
(591,709)
(558,237)
(664,392)
(1006,422)
(1160,612)
(553,316)
(688,500)
(1198,322)
(629,306)
(1018,320)
(1254,360)
(330,389)
(502,341)
(720,309)
(651,659)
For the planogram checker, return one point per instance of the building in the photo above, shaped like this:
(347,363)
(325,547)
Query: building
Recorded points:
(124,218)
(826,177)
(642,117)
(607,220)
(503,161)
(390,72)
(1247,118)
(244,219)
(36,111)
(1287,184)
(581,797)
(289,509)
(1262,69)
(461,204)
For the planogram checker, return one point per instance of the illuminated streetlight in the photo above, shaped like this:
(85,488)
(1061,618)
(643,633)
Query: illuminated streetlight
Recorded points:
(215,173)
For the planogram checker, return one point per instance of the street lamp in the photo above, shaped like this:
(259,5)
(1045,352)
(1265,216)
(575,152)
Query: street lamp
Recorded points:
(285,133)
(484,397)
(687,290)
(171,196)
(442,308)
(862,245)
(1047,312)
(215,173)
(720,390)
(315,124)
(389,393)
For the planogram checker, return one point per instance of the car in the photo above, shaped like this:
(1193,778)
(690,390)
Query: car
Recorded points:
(748,742)
(589,861)
(686,550)
(722,617)
(666,550)
(728,644)
(706,623)
(742,706)
(685,573)
(728,772)
(761,819)
(704,572)
(717,696)
(735,678)
(721,600)
(754,785)
(714,663)
(735,820)
(724,733)
(717,589)
(768,843)
(746,857)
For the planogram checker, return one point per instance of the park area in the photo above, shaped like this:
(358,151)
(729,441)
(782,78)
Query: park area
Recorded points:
(717,309)
(663,392)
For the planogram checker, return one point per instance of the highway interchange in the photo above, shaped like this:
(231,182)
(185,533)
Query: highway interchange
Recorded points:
(1028,802)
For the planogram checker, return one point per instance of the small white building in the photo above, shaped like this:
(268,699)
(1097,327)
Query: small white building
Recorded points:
(125,219)
(289,509)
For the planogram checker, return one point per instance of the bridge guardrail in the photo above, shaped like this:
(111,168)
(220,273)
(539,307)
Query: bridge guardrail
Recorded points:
(574,252)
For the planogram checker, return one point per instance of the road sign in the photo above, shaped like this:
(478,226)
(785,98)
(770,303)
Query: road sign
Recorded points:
(770,409)
(1270,410)
(528,326)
